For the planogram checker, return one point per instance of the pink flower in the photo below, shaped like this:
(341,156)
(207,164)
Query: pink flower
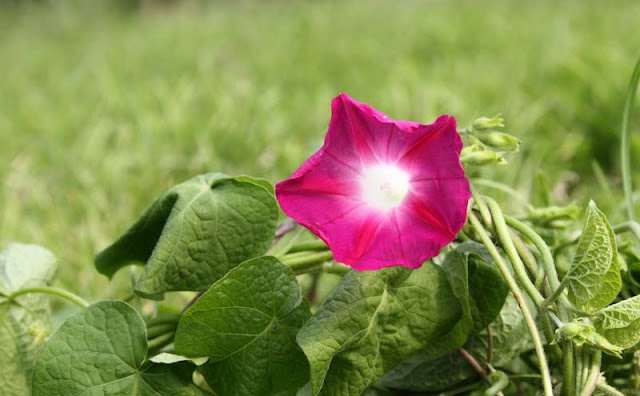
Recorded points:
(380,192)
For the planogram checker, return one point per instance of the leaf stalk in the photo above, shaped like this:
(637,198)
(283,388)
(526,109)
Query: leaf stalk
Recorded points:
(54,291)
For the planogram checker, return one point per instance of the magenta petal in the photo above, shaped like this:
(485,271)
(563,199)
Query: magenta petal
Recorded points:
(327,194)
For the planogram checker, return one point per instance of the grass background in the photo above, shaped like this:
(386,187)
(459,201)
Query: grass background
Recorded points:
(103,106)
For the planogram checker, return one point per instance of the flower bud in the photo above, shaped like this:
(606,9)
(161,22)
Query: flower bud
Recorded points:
(483,123)
(471,149)
(485,157)
(585,334)
(500,141)
(578,332)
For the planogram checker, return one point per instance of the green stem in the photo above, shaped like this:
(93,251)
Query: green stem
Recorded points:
(514,254)
(547,261)
(482,207)
(568,369)
(498,386)
(539,281)
(302,263)
(313,245)
(557,292)
(594,374)
(541,245)
(507,244)
(54,291)
(525,254)
(155,331)
(163,319)
(578,363)
(586,364)
(291,256)
(332,267)
(160,342)
(608,390)
(281,248)
(624,141)
(515,290)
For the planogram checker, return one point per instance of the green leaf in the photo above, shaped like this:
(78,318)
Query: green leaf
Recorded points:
(620,323)
(23,265)
(594,279)
(195,233)
(480,285)
(100,351)
(487,292)
(438,375)
(24,322)
(482,291)
(509,332)
(374,320)
(425,372)
(246,323)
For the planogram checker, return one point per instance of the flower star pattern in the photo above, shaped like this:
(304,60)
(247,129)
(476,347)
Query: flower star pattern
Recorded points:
(380,192)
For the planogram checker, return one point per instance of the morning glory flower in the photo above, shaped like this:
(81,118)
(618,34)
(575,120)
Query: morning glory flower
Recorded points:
(380,192)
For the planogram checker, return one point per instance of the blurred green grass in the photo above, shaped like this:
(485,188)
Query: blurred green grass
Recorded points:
(102,109)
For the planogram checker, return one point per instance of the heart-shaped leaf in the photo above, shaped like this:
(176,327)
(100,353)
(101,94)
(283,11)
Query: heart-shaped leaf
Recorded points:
(374,320)
(246,324)
(195,233)
(24,322)
(594,278)
(100,351)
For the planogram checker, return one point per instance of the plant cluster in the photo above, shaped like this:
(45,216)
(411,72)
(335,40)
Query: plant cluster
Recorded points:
(437,290)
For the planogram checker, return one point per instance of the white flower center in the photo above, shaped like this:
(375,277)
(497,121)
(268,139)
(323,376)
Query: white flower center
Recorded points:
(384,186)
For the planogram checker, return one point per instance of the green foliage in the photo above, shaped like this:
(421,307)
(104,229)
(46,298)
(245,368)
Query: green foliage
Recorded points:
(95,124)
(442,368)
(594,278)
(487,289)
(246,323)
(24,322)
(101,350)
(195,233)
(371,322)
(481,291)
(620,323)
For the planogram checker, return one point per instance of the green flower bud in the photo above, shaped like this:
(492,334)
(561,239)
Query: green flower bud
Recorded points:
(471,149)
(474,141)
(500,141)
(485,157)
(578,332)
(585,334)
(482,123)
